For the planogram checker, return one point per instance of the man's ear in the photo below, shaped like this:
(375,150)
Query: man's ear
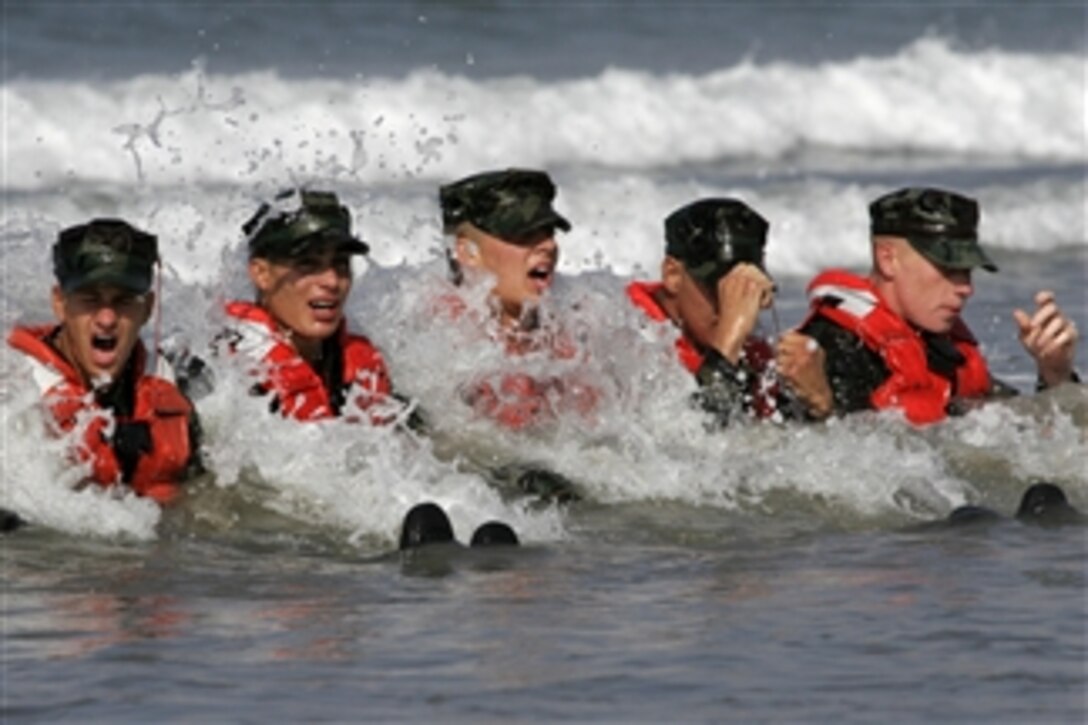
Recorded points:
(260,273)
(467,251)
(885,257)
(149,307)
(57,298)
(672,275)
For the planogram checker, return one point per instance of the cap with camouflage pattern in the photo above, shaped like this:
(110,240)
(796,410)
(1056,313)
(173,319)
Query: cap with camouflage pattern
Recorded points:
(508,204)
(711,236)
(105,252)
(941,225)
(298,220)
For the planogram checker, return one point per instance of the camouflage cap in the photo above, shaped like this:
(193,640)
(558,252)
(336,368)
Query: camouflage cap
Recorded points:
(508,204)
(941,225)
(711,236)
(298,220)
(105,252)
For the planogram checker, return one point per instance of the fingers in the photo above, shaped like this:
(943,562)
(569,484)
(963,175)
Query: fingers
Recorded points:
(1064,337)
(1045,313)
(800,363)
(1047,322)
(741,295)
(1050,337)
(1022,321)
(796,352)
(746,282)
(793,341)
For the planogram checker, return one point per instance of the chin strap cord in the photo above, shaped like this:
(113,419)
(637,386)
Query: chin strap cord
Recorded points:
(158,319)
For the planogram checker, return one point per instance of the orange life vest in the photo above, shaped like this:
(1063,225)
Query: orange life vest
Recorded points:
(157,402)
(298,387)
(756,353)
(853,303)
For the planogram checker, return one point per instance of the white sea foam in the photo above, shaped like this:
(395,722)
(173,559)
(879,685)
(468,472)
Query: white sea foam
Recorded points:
(201,128)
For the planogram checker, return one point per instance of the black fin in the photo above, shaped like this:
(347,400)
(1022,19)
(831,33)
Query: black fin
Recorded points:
(425,523)
(494,533)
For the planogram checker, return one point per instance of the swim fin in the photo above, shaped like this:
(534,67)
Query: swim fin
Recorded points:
(1045,503)
(424,524)
(494,533)
(9,521)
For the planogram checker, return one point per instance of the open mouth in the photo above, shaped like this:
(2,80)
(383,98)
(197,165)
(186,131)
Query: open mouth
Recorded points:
(104,343)
(325,311)
(104,351)
(542,272)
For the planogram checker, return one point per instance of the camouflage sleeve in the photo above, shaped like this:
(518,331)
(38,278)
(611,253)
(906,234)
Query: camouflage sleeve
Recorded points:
(853,370)
(722,387)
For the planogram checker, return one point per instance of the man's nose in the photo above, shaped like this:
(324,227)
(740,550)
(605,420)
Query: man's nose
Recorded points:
(106,315)
(962,281)
(547,244)
(329,275)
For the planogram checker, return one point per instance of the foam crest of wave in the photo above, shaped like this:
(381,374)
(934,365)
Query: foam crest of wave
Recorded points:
(929,97)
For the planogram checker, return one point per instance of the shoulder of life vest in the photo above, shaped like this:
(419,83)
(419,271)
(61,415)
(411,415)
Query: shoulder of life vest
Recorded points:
(48,366)
(641,294)
(253,333)
(279,368)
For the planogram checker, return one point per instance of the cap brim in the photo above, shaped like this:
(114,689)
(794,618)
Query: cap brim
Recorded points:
(339,239)
(548,219)
(133,282)
(560,221)
(353,245)
(340,242)
(970,257)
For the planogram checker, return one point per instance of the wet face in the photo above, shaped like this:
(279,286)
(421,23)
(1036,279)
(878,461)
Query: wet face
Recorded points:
(305,295)
(691,304)
(100,325)
(928,296)
(524,269)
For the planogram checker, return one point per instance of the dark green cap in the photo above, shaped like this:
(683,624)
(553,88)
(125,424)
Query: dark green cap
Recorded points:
(711,236)
(941,225)
(105,252)
(297,221)
(509,204)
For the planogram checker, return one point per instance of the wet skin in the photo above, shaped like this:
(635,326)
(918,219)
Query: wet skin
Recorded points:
(721,316)
(926,295)
(100,326)
(305,295)
(523,268)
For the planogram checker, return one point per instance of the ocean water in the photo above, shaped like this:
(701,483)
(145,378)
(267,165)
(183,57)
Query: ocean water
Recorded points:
(770,572)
